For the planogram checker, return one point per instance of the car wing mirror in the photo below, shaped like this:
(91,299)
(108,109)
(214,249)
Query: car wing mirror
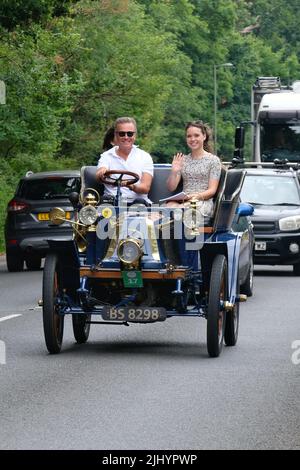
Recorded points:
(239,138)
(239,141)
(244,209)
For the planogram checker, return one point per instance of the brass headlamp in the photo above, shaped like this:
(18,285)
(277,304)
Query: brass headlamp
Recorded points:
(130,251)
(88,215)
(89,196)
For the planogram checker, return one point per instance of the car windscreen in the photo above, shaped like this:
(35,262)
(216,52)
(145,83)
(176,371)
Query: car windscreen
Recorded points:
(270,190)
(280,140)
(48,188)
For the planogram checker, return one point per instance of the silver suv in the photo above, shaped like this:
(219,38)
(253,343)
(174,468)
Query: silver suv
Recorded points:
(27,226)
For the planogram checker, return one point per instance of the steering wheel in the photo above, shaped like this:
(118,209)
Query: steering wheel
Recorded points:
(107,178)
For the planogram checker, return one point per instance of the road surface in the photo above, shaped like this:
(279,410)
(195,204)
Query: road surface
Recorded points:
(151,386)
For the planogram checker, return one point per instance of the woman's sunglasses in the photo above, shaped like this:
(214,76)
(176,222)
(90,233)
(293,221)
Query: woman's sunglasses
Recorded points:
(123,133)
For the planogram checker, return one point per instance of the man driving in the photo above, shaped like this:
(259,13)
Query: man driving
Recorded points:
(127,157)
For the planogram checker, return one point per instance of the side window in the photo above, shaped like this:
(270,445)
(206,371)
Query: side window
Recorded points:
(51,187)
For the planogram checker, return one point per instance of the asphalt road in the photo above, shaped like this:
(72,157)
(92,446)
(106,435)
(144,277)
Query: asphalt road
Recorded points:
(151,386)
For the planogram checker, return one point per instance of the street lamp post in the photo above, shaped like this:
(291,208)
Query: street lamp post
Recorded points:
(2,92)
(227,64)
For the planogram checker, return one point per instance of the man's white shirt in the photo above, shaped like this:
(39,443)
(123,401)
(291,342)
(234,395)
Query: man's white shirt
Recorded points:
(138,161)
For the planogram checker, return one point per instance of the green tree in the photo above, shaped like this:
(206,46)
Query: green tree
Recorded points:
(41,88)
(71,67)
(131,67)
(16,12)
(278,24)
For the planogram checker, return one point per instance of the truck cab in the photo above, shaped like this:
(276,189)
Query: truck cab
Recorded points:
(275,119)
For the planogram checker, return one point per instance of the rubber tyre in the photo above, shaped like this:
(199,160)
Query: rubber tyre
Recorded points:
(247,287)
(81,328)
(33,262)
(216,314)
(14,262)
(52,321)
(232,323)
(296,269)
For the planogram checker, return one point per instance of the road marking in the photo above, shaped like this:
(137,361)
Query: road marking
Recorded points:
(10,316)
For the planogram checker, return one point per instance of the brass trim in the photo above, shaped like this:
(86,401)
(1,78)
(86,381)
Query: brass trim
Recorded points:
(228,306)
(114,235)
(152,238)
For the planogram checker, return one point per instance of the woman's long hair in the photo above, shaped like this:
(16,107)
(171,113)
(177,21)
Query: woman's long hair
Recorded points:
(108,139)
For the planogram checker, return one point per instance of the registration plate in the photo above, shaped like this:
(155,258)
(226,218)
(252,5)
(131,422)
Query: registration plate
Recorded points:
(132,278)
(134,314)
(260,246)
(45,216)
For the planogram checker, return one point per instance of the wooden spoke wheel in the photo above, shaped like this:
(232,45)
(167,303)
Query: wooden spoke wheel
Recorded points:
(52,320)
(216,312)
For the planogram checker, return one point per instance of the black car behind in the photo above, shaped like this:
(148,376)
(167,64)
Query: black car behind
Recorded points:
(27,225)
(275,195)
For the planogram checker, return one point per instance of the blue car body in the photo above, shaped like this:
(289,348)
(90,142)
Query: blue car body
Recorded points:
(143,271)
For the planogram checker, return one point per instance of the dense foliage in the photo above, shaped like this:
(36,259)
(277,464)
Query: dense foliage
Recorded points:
(72,66)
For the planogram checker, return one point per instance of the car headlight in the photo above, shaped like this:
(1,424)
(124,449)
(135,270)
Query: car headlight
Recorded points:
(88,215)
(288,224)
(129,251)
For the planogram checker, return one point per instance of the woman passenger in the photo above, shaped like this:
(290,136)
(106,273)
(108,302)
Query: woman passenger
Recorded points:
(200,170)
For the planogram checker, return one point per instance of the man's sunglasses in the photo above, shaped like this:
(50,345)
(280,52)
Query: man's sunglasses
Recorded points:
(123,133)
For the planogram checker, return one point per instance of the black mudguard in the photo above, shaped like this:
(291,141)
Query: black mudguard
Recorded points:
(69,264)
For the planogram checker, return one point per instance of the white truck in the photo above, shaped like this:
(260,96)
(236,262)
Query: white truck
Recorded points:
(275,117)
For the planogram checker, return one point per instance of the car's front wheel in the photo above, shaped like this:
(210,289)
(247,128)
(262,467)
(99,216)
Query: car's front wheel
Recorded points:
(14,262)
(52,320)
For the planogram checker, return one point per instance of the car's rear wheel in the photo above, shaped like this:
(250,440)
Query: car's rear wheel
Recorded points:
(14,262)
(33,262)
(52,320)
(247,287)
(232,322)
(81,327)
(216,312)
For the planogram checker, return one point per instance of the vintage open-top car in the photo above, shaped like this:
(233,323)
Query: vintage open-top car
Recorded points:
(129,264)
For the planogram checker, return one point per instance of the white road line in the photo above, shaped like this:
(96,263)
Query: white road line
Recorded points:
(10,316)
